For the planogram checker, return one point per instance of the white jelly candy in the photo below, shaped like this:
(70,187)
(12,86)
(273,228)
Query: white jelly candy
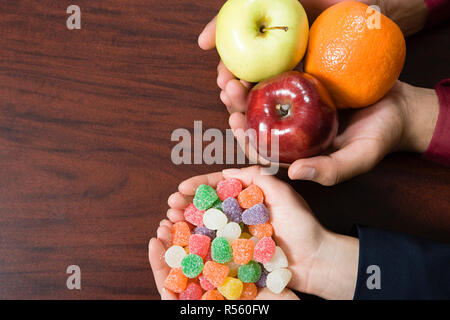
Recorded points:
(278,280)
(278,260)
(230,231)
(174,255)
(214,219)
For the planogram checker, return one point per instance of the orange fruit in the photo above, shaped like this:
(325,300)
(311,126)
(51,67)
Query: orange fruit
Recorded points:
(355,55)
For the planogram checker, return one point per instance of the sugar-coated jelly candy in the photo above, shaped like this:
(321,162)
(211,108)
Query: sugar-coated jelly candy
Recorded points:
(264,250)
(233,267)
(257,214)
(221,251)
(231,288)
(250,196)
(261,230)
(194,215)
(249,291)
(192,292)
(232,209)
(214,219)
(174,255)
(199,244)
(218,205)
(249,272)
(180,234)
(176,281)
(230,231)
(215,272)
(204,283)
(278,279)
(242,250)
(229,188)
(205,197)
(255,240)
(278,260)
(212,295)
(261,283)
(205,231)
(192,265)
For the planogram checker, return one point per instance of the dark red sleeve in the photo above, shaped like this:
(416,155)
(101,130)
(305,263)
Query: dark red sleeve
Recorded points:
(438,11)
(439,148)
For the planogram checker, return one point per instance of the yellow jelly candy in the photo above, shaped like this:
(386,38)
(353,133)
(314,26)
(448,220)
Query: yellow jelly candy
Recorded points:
(231,288)
(245,235)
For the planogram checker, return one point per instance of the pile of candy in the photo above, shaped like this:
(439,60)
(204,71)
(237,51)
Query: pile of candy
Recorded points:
(225,249)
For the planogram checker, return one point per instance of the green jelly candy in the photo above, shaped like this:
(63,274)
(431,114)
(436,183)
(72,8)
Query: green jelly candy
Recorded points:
(221,251)
(192,265)
(205,197)
(218,205)
(250,272)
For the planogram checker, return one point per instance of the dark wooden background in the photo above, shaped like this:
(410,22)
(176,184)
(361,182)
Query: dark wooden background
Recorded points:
(85,123)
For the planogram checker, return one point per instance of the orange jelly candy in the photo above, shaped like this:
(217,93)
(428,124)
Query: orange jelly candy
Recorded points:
(250,196)
(176,281)
(180,234)
(249,291)
(215,272)
(242,250)
(261,230)
(212,295)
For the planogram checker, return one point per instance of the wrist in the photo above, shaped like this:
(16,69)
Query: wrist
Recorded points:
(335,268)
(421,111)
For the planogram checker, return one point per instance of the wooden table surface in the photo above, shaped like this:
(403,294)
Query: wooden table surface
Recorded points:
(86,118)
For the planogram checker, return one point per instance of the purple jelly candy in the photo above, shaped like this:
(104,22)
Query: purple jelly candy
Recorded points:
(261,283)
(205,231)
(232,209)
(258,214)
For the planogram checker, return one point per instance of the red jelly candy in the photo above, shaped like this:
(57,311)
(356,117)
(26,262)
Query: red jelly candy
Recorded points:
(192,292)
(199,244)
(229,188)
(193,215)
(205,284)
(264,250)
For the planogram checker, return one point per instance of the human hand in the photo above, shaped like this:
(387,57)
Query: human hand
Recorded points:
(322,263)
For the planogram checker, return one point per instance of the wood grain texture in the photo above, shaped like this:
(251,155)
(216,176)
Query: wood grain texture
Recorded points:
(85,123)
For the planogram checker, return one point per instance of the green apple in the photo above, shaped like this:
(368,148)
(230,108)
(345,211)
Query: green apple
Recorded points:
(258,39)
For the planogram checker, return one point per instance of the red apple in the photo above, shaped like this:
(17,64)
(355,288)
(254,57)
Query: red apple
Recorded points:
(298,109)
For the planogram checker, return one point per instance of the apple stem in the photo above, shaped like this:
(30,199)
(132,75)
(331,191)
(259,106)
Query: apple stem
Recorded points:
(264,29)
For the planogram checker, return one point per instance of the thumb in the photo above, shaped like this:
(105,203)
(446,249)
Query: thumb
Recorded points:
(352,160)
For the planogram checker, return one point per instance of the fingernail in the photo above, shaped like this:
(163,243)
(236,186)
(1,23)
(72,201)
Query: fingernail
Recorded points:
(306,173)
(230,171)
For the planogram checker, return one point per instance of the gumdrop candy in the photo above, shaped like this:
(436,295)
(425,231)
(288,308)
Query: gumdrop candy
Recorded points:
(278,260)
(205,197)
(212,295)
(249,291)
(218,205)
(249,272)
(214,219)
(261,230)
(257,214)
(230,231)
(205,231)
(255,240)
(264,250)
(192,292)
(232,209)
(242,250)
(261,283)
(234,268)
(229,188)
(278,279)
(204,283)
(208,255)
(250,196)
(199,244)
(180,234)
(176,281)
(192,265)
(221,251)
(215,272)
(194,215)
(174,255)
(231,288)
